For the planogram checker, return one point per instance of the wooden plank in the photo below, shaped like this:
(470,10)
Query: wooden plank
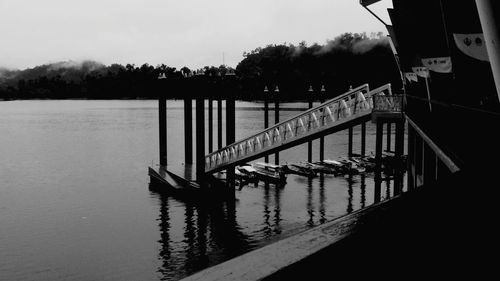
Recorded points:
(268,260)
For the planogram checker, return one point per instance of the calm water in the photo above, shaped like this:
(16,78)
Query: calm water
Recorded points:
(75,202)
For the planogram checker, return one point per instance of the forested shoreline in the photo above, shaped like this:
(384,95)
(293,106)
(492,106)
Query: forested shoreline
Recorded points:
(350,59)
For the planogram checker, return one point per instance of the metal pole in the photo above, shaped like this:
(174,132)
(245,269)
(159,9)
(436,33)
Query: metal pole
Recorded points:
(162,110)
(322,138)
(188,131)
(487,9)
(276,119)
(266,116)
(309,143)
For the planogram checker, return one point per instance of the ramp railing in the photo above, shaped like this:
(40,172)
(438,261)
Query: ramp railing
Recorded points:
(348,106)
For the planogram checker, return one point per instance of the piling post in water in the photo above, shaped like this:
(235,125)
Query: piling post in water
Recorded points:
(398,150)
(200,139)
(378,159)
(309,143)
(349,152)
(210,126)
(266,115)
(162,110)
(230,136)
(188,131)
(389,133)
(219,123)
(276,119)
(363,139)
(322,138)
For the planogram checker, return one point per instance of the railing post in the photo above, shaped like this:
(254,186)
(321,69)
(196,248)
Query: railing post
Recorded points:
(188,131)
(162,110)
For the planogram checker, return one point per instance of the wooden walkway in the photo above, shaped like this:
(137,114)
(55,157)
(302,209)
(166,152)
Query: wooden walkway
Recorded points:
(420,234)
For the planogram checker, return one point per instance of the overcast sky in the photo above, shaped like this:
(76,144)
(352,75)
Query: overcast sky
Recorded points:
(191,33)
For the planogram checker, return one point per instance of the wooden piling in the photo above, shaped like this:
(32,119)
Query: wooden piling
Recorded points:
(200,139)
(210,126)
(411,156)
(363,139)
(219,124)
(309,143)
(389,133)
(266,121)
(349,152)
(188,131)
(378,160)
(162,110)
(230,135)
(399,147)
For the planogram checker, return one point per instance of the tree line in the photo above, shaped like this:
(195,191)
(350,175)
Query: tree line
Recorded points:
(350,59)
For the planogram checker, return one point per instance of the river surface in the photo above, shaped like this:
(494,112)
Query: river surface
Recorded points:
(75,202)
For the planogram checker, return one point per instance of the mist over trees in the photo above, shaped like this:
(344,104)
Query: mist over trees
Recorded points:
(349,59)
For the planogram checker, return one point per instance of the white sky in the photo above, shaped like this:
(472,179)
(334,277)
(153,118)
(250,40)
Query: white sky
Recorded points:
(193,33)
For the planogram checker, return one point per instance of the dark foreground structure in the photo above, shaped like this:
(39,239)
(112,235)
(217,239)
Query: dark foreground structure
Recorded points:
(445,225)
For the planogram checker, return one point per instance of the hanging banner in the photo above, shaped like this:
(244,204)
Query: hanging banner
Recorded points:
(421,71)
(411,76)
(472,45)
(441,64)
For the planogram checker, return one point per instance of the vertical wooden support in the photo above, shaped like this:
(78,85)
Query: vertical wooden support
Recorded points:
(322,138)
(429,165)
(389,135)
(398,150)
(266,121)
(276,121)
(230,135)
(188,131)
(363,139)
(219,124)
(411,158)
(200,139)
(378,160)
(210,126)
(162,115)
(309,143)
(349,150)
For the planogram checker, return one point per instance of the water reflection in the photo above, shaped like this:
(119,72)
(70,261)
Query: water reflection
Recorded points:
(310,205)
(350,182)
(363,190)
(270,229)
(322,199)
(210,235)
